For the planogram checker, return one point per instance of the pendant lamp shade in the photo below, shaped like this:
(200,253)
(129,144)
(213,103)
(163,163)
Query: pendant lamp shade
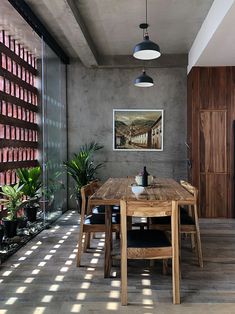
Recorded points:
(146,50)
(143,80)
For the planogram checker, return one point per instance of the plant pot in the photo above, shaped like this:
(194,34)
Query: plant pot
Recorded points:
(1,234)
(78,199)
(10,227)
(31,213)
(22,222)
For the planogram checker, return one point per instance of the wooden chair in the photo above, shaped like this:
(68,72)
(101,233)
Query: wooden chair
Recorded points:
(149,244)
(189,223)
(92,220)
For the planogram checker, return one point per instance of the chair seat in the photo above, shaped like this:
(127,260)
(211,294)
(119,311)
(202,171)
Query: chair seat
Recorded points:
(98,209)
(185,219)
(99,219)
(116,209)
(147,239)
(101,209)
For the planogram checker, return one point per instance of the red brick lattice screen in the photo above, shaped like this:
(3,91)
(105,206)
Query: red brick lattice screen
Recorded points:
(18,108)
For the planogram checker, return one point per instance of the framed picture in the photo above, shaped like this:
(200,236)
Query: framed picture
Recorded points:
(137,130)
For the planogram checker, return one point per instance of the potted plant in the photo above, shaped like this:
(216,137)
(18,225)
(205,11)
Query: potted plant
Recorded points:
(54,186)
(1,234)
(30,179)
(13,202)
(82,167)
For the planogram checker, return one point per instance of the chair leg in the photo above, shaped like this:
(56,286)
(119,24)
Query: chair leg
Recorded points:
(199,252)
(193,242)
(80,247)
(123,256)
(165,267)
(151,262)
(124,281)
(175,257)
(117,235)
(192,236)
(199,249)
(87,242)
(198,237)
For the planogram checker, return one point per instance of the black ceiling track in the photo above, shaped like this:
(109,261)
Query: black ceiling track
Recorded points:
(26,12)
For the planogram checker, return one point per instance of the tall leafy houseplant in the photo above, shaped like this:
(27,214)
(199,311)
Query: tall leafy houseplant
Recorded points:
(55,185)
(82,167)
(31,181)
(13,202)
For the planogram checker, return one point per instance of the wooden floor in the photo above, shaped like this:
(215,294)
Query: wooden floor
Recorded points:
(42,276)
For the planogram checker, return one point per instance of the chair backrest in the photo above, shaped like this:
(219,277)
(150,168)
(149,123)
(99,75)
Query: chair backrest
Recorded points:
(96,184)
(190,188)
(150,209)
(86,192)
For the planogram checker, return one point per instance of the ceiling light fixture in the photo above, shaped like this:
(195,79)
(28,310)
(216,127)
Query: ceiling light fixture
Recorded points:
(143,80)
(147,49)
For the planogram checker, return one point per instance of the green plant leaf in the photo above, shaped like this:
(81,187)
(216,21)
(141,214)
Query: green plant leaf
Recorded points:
(31,180)
(81,167)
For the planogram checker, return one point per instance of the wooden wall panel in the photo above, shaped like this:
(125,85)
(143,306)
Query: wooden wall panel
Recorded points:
(231,147)
(213,195)
(219,141)
(189,127)
(219,89)
(203,205)
(203,99)
(213,141)
(205,157)
(211,105)
(213,87)
(193,126)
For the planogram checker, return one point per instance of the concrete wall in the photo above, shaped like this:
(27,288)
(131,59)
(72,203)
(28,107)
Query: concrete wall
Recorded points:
(94,93)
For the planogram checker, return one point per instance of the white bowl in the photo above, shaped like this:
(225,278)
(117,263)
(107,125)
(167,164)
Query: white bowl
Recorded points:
(137,190)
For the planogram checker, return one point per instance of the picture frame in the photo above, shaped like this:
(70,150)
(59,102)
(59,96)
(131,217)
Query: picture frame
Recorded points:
(138,129)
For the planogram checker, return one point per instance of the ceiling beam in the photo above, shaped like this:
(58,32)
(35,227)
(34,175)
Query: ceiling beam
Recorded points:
(165,61)
(212,23)
(87,51)
(64,14)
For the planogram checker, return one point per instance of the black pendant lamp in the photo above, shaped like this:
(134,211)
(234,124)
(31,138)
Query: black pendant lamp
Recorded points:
(143,80)
(147,49)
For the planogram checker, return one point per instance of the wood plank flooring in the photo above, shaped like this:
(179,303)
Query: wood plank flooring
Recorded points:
(42,277)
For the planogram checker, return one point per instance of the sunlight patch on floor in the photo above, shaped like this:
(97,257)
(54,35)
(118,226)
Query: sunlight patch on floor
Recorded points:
(21,289)
(76,308)
(47,298)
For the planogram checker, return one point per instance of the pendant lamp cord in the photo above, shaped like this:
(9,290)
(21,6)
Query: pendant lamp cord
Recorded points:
(145,32)
(146,13)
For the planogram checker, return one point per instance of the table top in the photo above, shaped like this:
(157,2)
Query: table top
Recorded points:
(115,189)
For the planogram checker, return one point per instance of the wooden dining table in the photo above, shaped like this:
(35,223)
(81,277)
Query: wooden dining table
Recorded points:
(116,189)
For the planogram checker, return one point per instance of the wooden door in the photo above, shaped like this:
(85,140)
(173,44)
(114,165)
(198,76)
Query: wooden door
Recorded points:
(211,114)
(213,163)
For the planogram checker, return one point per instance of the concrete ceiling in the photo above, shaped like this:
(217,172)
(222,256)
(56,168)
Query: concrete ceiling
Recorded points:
(104,32)
(113,24)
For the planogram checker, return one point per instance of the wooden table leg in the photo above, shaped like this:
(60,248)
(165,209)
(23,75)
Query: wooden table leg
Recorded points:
(175,259)
(108,241)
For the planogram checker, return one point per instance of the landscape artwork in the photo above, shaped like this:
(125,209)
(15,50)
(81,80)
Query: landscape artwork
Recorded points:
(138,130)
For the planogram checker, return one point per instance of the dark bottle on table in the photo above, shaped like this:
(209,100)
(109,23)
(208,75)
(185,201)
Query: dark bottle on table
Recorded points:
(145,177)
